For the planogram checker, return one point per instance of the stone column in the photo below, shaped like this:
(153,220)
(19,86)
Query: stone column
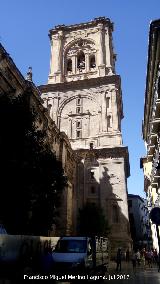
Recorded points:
(51,59)
(87,62)
(101,51)
(109,50)
(114,109)
(74,61)
(103,107)
(89,125)
(70,128)
(99,120)
(59,71)
(100,26)
(53,118)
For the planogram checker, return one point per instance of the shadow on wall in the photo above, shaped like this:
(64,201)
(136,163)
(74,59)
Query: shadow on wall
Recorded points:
(97,191)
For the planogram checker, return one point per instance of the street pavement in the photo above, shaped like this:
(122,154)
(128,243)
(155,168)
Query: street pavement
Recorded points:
(139,275)
(125,276)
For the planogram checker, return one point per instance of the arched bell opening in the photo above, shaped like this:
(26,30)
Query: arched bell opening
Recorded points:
(92,61)
(81,61)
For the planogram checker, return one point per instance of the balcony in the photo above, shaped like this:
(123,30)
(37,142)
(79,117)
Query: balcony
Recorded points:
(155,173)
(150,150)
(155,112)
(154,126)
(153,139)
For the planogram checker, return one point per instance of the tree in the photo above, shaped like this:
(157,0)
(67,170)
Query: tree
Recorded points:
(92,221)
(32,179)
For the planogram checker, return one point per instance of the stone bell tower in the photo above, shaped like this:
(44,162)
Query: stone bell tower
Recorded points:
(84,99)
(83,51)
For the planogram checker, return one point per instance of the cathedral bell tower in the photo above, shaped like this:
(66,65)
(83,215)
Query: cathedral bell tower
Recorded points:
(82,51)
(84,98)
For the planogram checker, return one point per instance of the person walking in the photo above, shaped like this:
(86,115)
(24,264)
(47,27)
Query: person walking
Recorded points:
(119,259)
(138,257)
(155,257)
(134,258)
(127,255)
(158,262)
(150,258)
(143,257)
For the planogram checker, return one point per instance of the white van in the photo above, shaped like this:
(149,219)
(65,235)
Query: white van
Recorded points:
(80,254)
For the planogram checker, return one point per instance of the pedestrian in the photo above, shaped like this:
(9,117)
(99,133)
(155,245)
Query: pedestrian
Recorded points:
(134,258)
(143,258)
(158,262)
(127,255)
(149,258)
(119,259)
(155,256)
(138,257)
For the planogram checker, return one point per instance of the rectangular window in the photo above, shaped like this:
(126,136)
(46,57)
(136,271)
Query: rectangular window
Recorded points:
(78,110)
(109,121)
(107,102)
(92,175)
(78,123)
(79,101)
(78,133)
(91,146)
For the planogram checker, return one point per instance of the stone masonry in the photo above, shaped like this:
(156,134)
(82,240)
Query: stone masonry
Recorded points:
(83,96)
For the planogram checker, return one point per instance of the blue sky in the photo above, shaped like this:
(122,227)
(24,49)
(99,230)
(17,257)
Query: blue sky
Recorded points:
(24,27)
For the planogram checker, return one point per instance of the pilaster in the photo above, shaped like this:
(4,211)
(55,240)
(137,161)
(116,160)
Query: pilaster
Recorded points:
(101,66)
(114,108)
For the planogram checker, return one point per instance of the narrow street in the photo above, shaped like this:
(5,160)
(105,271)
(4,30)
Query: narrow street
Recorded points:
(126,276)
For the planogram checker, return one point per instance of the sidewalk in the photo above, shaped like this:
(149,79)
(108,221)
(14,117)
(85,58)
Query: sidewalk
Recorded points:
(125,266)
(128,267)
(129,276)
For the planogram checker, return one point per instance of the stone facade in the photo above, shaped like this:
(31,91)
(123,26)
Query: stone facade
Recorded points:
(12,83)
(83,96)
(88,111)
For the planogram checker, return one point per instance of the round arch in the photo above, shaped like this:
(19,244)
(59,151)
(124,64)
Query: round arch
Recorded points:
(62,105)
(75,41)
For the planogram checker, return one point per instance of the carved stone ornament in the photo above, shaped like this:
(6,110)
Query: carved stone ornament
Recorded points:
(86,45)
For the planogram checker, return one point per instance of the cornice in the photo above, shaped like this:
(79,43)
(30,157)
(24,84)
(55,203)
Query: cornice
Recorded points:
(92,82)
(101,20)
(116,152)
(10,70)
(135,196)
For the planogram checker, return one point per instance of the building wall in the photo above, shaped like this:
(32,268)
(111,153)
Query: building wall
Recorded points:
(12,83)
(139,221)
(98,121)
(151,163)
